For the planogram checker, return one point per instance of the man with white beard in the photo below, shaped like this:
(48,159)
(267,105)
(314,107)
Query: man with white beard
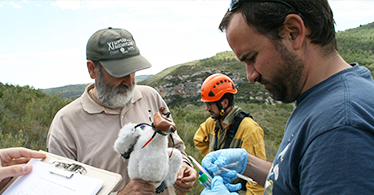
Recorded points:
(85,130)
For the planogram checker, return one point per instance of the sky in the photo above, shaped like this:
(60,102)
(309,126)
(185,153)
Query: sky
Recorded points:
(43,43)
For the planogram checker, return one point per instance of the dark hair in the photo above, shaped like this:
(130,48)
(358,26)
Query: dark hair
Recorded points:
(228,96)
(268,17)
(97,64)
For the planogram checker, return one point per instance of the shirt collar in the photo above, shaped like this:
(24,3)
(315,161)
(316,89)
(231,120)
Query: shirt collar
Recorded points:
(231,115)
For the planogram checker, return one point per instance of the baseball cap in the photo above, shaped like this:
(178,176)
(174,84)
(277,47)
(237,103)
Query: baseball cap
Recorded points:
(116,50)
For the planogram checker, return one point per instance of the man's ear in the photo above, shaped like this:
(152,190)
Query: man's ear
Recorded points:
(91,69)
(295,29)
(225,103)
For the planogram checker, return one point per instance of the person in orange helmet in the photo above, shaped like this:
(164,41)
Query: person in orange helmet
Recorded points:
(228,125)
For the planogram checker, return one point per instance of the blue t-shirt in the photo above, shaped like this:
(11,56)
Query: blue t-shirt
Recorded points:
(328,143)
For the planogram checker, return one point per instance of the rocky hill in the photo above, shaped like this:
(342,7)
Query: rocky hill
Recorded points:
(180,85)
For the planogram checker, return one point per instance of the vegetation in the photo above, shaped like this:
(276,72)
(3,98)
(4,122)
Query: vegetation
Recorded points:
(68,91)
(74,91)
(26,113)
(357,45)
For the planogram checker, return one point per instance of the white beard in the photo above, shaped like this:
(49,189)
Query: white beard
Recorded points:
(120,100)
(113,96)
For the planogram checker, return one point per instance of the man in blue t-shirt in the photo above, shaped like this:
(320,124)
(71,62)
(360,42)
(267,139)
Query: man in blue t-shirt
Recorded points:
(290,48)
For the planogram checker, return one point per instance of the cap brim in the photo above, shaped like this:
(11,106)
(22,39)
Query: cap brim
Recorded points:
(126,66)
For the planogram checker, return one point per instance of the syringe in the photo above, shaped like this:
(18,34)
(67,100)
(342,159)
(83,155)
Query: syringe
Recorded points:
(204,177)
(239,175)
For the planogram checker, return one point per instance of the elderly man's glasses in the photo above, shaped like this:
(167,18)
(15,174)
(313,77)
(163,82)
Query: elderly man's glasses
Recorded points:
(236,3)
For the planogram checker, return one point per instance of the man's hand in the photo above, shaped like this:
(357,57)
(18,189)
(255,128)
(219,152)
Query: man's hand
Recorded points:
(12,163)
(185,179)
(138,186)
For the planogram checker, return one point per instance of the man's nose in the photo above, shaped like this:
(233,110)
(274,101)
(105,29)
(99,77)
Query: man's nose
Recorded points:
(127,80)
(252,73)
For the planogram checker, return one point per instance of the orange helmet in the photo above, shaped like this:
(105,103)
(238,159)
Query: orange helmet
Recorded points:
(215,86)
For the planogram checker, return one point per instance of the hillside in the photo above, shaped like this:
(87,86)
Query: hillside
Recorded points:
(180,85)
(357,45)
(74,91)
(25,115)
(68,91)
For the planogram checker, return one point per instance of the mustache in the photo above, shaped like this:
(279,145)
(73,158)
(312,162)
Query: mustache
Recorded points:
(261,80)
(121,88)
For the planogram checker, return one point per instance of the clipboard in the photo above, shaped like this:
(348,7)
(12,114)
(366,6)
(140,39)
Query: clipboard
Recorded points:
(66,167)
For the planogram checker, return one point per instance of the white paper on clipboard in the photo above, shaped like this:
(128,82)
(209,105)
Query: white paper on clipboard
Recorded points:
(45,174)
(42,182)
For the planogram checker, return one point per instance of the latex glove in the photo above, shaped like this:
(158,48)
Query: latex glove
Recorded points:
(218,187)
(225,157)
(227,176)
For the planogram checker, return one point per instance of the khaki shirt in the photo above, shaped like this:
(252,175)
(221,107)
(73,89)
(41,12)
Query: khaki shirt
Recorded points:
(85,131)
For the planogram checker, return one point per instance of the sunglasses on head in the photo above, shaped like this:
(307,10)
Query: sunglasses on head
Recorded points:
(236,3)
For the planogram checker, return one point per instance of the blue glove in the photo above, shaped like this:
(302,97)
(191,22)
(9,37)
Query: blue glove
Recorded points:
(225,158)
(227,176)
(219,188)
